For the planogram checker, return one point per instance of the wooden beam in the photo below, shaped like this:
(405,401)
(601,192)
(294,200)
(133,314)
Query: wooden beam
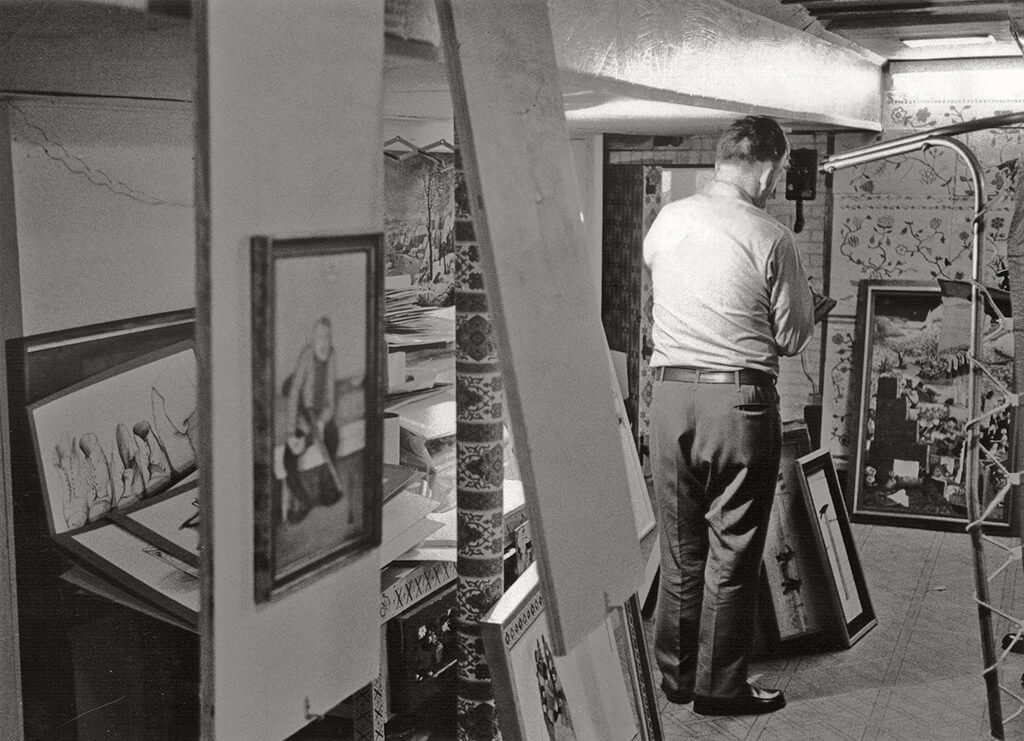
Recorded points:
(11,724)
(546,312)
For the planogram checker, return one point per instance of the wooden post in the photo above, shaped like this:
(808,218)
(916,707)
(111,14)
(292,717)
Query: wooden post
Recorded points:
(480,472)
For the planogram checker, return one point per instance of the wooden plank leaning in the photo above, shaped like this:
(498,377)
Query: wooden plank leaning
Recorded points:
(546,312)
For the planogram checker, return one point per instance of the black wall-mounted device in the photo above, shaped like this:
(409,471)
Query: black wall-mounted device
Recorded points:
(801,181)
(802,175)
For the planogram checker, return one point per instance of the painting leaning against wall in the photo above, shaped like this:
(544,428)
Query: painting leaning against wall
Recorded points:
(912,369)
(909,218)
(419,225)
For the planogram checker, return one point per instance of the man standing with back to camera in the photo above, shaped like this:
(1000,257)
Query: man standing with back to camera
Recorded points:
(730,297)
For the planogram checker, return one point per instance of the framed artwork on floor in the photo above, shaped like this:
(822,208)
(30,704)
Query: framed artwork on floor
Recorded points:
(910,405)
(831,526)
(585,694)
(638,667)
(797,600)
(317,346)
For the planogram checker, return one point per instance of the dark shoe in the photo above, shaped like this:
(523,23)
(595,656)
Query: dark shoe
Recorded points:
(678,697)
(755,701)
(298,510)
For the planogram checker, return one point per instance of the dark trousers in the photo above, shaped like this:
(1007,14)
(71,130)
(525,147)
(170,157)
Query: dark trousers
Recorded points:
(327,492)
(715,452)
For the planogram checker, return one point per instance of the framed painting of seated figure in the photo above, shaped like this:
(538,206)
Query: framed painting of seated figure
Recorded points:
(317,433)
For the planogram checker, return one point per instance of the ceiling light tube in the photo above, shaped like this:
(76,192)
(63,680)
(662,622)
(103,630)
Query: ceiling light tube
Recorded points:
(950,41)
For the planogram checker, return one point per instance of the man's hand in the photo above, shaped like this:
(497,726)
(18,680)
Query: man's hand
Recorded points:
(822,305)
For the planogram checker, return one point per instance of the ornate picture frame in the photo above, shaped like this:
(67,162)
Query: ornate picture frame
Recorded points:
(909,407)
(588,693)
(796,583)
(317,312)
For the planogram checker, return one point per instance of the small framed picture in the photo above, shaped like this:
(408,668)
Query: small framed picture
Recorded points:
(799,603)
(589,693)
(831,526)
(317,329)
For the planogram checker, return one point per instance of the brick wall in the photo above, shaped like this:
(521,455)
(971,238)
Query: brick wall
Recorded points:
(812,241)
(794,385)
(622,235)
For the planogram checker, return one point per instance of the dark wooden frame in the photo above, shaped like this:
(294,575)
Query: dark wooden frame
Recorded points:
(836,546)
(641,676)
(905,295)
(795,592)
(267,253)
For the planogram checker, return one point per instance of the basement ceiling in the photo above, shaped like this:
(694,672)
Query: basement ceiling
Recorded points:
(144,49)
(886,26)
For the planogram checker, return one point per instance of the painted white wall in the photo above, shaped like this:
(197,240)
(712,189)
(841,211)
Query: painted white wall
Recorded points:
(103,195)
(295,133)
(587,159)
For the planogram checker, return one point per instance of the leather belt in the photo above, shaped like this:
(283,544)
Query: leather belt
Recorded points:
(747,376)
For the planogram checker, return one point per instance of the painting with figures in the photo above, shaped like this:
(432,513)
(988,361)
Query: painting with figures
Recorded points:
(909,465)
(117,438)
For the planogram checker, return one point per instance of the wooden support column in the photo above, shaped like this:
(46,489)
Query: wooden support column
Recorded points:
(480,472)
(288,143)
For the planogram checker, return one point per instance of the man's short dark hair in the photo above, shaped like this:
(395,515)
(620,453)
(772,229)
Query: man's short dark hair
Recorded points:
(752,139)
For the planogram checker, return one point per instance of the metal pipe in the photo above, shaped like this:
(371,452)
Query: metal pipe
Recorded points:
(940,138)
(892,147)
(971,459)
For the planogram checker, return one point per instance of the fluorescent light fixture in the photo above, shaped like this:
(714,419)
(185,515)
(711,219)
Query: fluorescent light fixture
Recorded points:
(950,41)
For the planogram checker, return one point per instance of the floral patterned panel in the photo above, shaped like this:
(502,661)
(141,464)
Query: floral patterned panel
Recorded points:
(998,151)
(929,173)
(897,238)
(654,199)
(835,414)
(909,217)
